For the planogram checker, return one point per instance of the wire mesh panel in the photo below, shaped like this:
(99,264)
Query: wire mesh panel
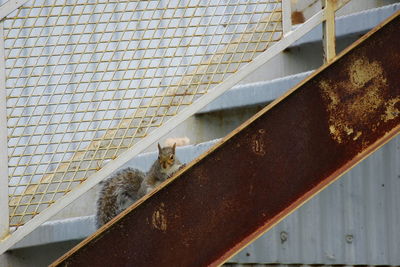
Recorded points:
(87,79)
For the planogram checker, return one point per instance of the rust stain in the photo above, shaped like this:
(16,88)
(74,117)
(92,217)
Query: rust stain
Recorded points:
(298,17)
(351,102)
(159,219)
(392,109)
(258,143)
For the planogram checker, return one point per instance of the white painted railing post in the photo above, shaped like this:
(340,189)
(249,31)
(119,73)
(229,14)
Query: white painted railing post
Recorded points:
(328,30)
(286,17)
(4,212)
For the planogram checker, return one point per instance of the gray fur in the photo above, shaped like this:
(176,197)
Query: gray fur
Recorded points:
(157,174)
(117,193)
(128,185)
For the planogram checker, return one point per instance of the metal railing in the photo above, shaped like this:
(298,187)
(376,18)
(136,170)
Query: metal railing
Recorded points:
(88,85)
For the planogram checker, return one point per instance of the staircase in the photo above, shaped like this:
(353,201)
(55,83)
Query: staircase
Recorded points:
(265,169)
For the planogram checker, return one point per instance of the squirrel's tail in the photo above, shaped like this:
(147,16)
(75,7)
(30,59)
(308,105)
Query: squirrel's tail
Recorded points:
(117,193)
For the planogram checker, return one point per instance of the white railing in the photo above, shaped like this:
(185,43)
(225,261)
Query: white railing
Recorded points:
(4,218)
(168,60)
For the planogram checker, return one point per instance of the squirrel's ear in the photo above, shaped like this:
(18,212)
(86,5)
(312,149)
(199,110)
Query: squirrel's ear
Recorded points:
(159,147)
(173,147)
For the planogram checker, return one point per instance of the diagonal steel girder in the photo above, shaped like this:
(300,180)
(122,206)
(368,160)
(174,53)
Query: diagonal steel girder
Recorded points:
(265,169)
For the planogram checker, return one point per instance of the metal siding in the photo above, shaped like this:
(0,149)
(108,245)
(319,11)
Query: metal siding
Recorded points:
(363,203)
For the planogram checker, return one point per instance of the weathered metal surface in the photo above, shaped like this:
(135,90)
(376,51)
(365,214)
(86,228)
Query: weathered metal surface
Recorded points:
(265,169)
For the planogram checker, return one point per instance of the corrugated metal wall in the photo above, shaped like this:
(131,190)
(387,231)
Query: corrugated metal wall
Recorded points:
(354,221)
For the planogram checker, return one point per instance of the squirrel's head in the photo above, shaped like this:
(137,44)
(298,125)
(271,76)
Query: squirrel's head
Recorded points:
(166,156)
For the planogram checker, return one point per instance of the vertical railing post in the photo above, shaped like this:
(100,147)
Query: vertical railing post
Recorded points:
(286,16)
(4,217)
(328,30)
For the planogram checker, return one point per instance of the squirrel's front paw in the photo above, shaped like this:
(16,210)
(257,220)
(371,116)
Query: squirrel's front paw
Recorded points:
(182,166)
(148,190)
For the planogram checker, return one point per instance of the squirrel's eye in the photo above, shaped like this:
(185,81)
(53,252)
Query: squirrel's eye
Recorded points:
(171,157)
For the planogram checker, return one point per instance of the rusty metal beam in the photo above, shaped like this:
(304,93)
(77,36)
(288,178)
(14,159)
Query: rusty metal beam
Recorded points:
(265,169)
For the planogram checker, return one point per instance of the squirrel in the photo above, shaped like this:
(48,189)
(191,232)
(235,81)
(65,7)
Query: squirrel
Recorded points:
(117,193)
(163,168)
(128,185)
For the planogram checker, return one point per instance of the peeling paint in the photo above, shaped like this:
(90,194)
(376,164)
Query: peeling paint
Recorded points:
(352,101)
(362,71)
(357,135)
(258,143)
(391,111)
(159,219)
